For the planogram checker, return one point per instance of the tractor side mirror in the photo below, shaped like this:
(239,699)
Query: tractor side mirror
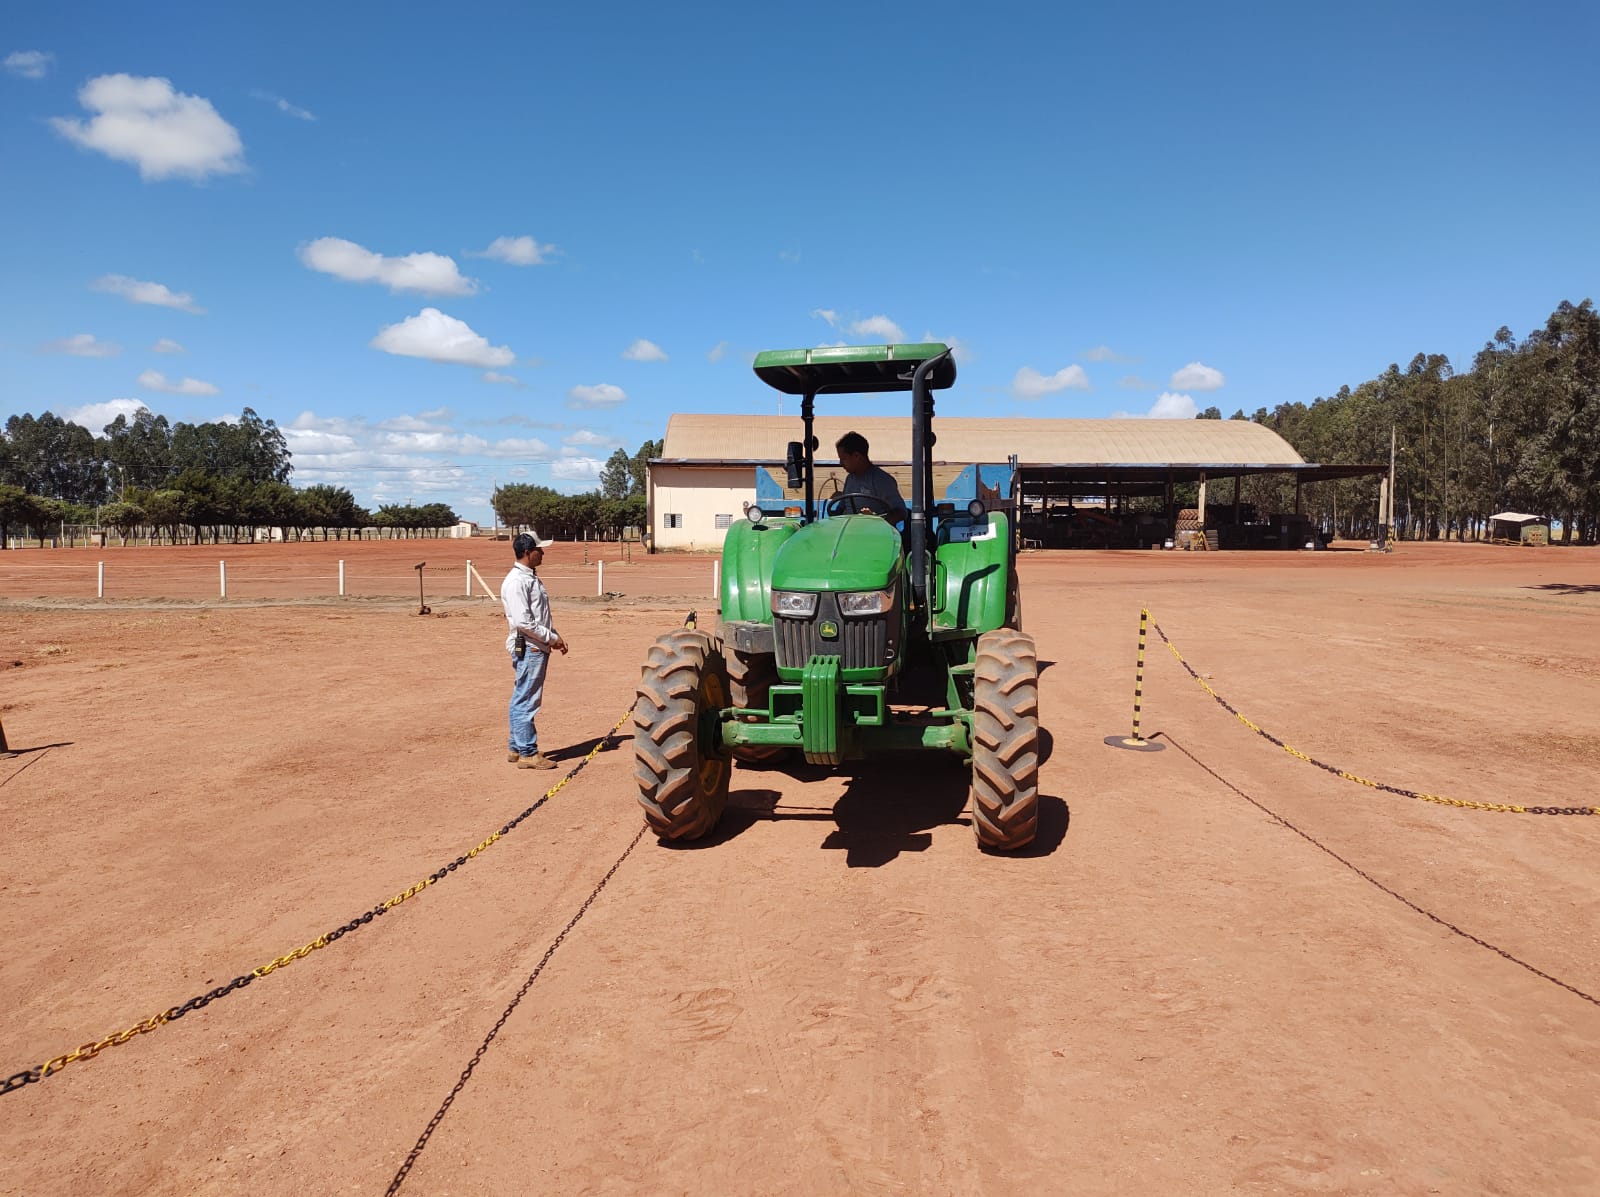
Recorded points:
(796,465)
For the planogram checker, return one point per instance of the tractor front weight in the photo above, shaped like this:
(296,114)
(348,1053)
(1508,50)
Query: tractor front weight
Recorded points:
(832,722)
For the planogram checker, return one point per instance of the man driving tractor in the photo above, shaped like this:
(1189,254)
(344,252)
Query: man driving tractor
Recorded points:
(876,486)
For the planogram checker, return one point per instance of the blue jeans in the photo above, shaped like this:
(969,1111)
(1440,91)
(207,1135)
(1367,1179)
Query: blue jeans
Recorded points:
(527,695)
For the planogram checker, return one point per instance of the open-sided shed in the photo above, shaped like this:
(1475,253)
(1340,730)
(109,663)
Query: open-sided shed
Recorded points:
(1519,528)
(1069,481)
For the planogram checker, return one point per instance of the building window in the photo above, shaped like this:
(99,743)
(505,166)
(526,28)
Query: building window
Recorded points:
(672,521)
(724,521)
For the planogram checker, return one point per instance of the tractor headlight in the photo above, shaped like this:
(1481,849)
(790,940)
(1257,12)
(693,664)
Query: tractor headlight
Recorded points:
(866,602)
(797,604)
(976,509)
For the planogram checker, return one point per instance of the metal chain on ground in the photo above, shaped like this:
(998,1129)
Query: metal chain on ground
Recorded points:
(89,1051)
(1513,808)
(1368,877)
(27,765)
(477,1056)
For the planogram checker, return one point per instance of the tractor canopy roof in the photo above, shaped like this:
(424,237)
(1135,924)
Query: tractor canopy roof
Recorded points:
(851,369)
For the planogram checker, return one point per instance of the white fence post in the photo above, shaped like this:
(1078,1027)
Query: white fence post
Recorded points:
(600,579)
(469,577)
(716,577)
(100,581)
(222,577)
(341,578)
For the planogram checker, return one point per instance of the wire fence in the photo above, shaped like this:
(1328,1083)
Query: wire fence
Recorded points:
(219,578)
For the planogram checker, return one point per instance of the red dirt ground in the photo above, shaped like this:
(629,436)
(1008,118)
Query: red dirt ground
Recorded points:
(1173,993)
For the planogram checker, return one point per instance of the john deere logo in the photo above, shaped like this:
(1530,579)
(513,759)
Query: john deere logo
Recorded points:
(828,630)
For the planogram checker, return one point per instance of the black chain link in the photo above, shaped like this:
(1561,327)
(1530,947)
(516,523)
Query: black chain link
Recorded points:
(1370,879)
(1334,769)
(33,1076)
(505,1015)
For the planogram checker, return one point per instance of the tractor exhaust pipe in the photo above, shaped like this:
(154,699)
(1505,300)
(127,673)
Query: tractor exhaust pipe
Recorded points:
(921,479)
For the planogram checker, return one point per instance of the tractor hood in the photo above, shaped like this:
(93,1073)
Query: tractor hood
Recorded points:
(846,552)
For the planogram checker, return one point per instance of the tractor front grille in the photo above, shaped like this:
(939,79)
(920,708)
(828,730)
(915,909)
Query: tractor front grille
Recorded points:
(862,643)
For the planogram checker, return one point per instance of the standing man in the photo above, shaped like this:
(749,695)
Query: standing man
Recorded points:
(531,641)
(876,486)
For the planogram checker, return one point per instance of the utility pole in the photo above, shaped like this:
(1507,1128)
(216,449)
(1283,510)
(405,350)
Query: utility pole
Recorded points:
(1388,522)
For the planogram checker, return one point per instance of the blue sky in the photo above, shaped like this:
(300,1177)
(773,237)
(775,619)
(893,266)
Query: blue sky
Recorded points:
(444,247)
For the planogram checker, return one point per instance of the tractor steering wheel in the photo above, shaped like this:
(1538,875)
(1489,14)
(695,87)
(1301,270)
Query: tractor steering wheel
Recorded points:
(856,504)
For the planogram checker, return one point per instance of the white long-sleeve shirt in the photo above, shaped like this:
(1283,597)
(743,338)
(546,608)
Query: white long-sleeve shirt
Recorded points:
(527,607)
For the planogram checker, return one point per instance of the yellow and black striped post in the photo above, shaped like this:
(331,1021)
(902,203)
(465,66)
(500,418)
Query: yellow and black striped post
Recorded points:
(1136,742)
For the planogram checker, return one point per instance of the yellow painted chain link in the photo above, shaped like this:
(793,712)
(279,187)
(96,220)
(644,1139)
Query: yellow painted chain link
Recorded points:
(1439,799)
(89,1051)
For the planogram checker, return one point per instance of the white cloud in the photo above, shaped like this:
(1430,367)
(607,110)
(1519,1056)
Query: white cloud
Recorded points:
(1132,382)
(432,442)
(137,291)
(574,465)
(1030,384)
(29,64)
(405,423)
(167,345)
(439,338)
(717,352)
(431,274)
(163,132)
(878,326)
(524,448)
(789,255)
(644,351)
(1104,353)
(305,442)
(519,251)
(154,380)
(828,314)
(82,345)
(1169,406)
(1197,376)
(602,394)
(95,416)
(594,440)
(505,380)
(283,105)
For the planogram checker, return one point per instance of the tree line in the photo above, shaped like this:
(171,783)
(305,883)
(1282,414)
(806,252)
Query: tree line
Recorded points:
(222,482)
(180,482)
(1519,431)
(604,514)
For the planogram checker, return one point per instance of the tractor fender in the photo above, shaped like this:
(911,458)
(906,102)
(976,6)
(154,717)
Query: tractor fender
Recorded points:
(973,580)
(747,554)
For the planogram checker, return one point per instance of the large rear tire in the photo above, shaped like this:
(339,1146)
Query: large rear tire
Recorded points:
(683,780)
(1005,741)
(750,677)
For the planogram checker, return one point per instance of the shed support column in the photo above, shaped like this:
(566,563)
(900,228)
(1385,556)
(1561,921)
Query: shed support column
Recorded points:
(1297,486)
(1202,508)
(1237,480)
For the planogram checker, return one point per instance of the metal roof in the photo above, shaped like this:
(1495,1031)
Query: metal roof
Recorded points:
(698,437)
(1516,517)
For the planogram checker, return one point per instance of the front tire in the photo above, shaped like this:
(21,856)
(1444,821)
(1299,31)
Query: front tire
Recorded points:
(1005,741)
(683,779)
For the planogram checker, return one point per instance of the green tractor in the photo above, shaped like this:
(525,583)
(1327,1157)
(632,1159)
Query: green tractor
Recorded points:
(842,638)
